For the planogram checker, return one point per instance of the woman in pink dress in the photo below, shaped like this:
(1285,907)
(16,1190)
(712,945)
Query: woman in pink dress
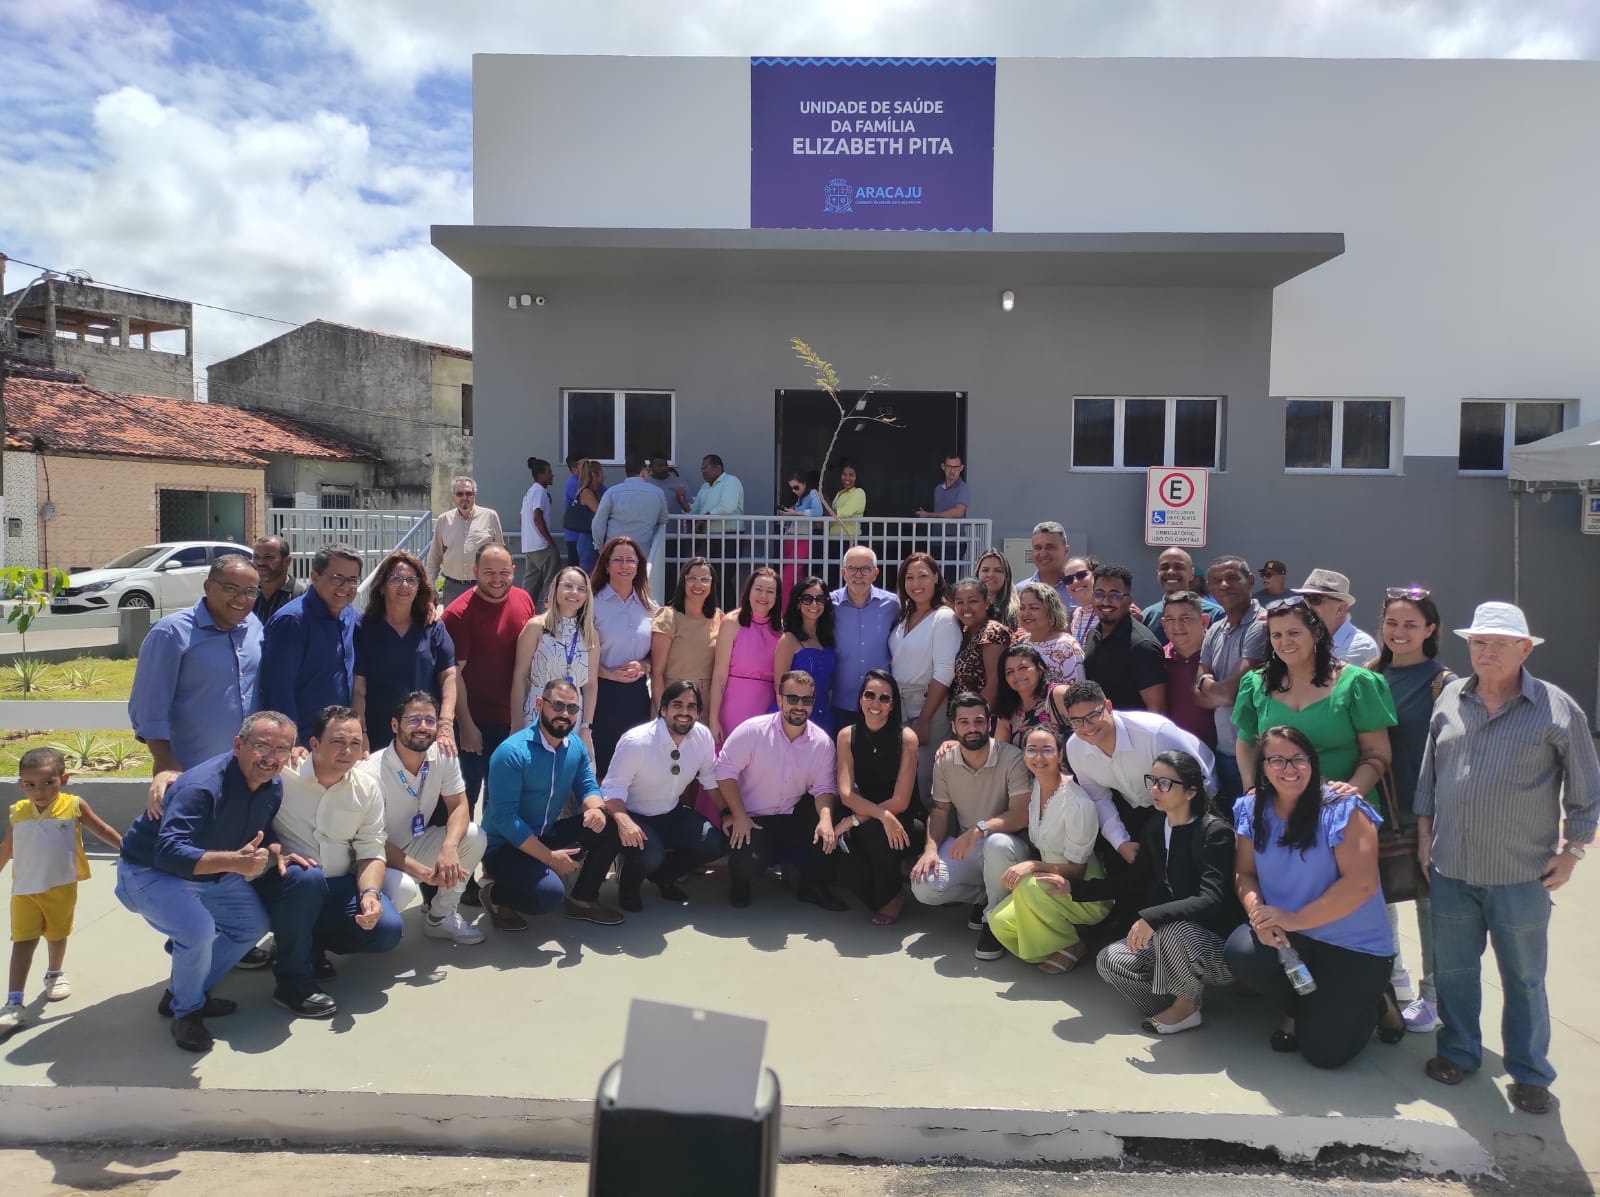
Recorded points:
(741,679)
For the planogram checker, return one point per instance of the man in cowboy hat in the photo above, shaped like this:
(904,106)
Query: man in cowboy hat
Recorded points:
(1506,754)
(1329,593)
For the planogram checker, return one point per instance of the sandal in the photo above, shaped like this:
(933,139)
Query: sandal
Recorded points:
(1530,1099)
(1387,1004)
(1446,1072)
(880,919)
(1063,961)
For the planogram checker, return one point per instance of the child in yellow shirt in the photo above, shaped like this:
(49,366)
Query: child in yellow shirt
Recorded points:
(45,837)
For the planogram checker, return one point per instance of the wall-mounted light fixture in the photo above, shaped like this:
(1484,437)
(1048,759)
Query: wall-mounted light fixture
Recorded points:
(1008,300)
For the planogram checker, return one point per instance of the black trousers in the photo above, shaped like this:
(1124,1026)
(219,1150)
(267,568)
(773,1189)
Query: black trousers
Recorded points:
(1334,1023)
(618,707)
(782,839)
(872,868)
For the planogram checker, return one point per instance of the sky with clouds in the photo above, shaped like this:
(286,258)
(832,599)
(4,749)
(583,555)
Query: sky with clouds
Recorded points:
(286,157)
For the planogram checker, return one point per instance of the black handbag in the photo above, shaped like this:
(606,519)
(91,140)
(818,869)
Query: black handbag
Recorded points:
(577,518)
(1399,870)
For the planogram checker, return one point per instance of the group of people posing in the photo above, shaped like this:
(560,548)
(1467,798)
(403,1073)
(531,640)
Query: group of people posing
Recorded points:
(1196,789)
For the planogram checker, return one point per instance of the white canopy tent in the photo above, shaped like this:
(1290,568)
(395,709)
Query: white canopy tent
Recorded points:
(1570,456)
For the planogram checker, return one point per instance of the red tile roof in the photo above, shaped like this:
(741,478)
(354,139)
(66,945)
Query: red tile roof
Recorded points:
(71,417)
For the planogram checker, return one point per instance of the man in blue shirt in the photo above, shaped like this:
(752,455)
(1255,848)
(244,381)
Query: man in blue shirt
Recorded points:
(187,872)
(533,776)
(951,498)
(633,507)
(863,617)
(308,659)
(196,677)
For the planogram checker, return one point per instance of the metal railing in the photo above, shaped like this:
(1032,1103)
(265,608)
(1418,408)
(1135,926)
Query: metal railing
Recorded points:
(797,546)
(372,534)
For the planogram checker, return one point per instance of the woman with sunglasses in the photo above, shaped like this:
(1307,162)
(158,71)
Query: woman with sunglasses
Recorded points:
(1042,622)
(983,642)
(1039,920)
(798,535)
(1185,870)
(741,675)
(559,643)
(1078,573)
(994,571)
(1409,629)
(807,644)
(400,646)
(1346,711)
(622,612)
(877,757)
(1306,873)
(1026,697)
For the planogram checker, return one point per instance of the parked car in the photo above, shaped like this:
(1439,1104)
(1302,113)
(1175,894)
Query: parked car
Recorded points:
(168,577)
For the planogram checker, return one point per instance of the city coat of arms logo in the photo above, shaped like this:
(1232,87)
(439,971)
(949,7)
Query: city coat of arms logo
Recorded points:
(836,196)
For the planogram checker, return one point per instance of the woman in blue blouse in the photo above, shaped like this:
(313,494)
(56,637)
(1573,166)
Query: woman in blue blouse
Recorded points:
(401,646)
(1306,870)
(797,541)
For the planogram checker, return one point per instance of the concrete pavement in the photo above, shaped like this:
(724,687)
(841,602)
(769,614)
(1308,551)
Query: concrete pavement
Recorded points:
(891,1043)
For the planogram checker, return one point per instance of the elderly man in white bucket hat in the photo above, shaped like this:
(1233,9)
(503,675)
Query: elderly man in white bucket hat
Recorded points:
(1329,595)
(1506,756)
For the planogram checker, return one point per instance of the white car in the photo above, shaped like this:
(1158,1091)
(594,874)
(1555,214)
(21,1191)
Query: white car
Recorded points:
(167,577)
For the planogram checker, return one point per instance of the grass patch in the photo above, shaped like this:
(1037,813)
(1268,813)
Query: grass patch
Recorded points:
(77,680)
(109,754)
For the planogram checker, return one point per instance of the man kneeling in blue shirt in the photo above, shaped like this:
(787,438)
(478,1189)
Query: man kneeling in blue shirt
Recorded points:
(187,871)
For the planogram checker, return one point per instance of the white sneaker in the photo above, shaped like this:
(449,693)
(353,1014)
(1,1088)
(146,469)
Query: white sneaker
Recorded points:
(1404,991)
(1421,1016)
(453,928)
(57,988)
(11,1018)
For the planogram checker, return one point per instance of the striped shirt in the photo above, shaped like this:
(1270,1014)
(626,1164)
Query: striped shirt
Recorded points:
(1495,785)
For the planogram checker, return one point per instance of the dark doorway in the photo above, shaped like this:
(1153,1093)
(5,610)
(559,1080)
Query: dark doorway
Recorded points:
(897,467)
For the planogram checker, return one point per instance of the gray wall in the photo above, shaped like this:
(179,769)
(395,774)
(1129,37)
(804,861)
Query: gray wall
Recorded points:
(371,390)
(724,350)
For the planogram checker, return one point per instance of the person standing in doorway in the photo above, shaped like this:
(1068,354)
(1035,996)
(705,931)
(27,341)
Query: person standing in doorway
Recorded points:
(951,498)
(458,534)
(540,558)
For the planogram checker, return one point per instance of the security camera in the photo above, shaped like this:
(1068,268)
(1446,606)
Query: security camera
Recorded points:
(539,300)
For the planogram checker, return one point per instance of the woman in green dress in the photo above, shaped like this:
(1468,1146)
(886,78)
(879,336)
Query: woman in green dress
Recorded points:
(1038,920)
(1344,710)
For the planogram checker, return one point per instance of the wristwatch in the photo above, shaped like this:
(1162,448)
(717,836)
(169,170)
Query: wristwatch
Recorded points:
(1576,850)
(982,827)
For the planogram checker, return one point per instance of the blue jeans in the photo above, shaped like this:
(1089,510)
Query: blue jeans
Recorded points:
(675,843)
(1516,920)
(475,770)
(312,913)
(1229,784)
(211,924)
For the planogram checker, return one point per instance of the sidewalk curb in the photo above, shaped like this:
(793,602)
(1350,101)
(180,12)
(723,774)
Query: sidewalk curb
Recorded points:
(544,1126)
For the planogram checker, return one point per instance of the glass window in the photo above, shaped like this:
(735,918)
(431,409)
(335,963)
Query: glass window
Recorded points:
(1483,437)
(466,409)
(1367,437)
(1535,421)
(592,424)
(221,554)
(1308,435)
(1094,430)
(195,555)
(1144,433)
(647,424)
(1194,441)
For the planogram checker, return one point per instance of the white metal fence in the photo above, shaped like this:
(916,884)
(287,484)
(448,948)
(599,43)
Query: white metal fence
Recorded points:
(799,546)
(372,534)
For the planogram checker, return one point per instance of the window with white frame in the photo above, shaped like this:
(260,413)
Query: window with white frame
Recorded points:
(609,426)
(1133,432)
(1491,428)
(1348,436)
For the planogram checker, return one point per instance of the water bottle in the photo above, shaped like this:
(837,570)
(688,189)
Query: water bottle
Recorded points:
(1295,969)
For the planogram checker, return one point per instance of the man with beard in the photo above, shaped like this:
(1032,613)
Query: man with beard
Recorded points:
(271,559)
(777,776)
(533,777)
(663,838)
(978,827)
(414,778)
(1120,652)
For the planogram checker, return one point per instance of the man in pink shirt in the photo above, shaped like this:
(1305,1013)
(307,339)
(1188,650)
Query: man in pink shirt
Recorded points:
(776,778)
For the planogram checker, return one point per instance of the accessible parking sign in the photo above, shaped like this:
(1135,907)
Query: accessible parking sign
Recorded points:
(1175,501)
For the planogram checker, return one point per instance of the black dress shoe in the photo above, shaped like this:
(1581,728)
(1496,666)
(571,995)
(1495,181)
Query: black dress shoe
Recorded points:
(189,1033)
(322,968)
(739,894)
(255,958)
(821,895)
(469,896)
(633,903)
(313,1005)
(671,891)
(215,1007)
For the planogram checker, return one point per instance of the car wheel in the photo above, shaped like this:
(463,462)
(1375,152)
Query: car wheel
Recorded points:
(136,599)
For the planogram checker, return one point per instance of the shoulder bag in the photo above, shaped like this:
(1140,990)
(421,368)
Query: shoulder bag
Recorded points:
(1399,870)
